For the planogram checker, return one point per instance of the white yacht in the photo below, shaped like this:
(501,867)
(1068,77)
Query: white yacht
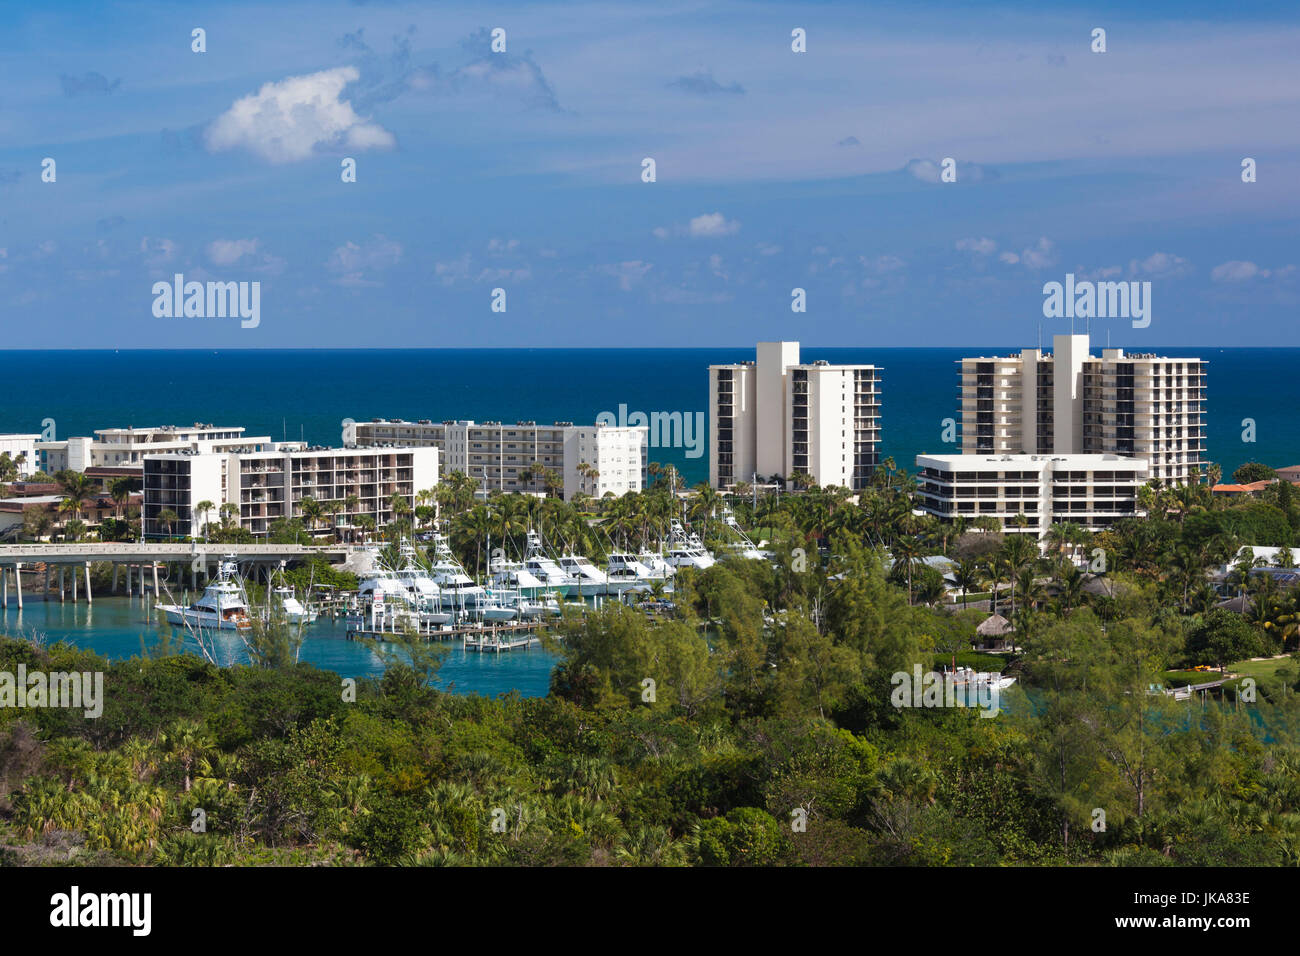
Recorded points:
(294,611)
(544,605)
(661,568)
(742,547)
(514,576)
(222,606)
(456,589)
(416,580)
(381,582)
(687,550)
(583,577)
(969,676)
(626,572)
(543,567)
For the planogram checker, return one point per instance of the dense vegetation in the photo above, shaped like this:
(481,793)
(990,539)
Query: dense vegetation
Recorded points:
(753,726)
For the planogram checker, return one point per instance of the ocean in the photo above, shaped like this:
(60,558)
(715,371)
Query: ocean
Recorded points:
(306,394)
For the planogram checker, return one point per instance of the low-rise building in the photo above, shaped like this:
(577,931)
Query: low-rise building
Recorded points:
(1093,491)
(511,458)
(269,485)
(116,447)
(21,450)
(1251,489)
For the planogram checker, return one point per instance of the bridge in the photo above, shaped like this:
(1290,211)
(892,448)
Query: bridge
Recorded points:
(137,557)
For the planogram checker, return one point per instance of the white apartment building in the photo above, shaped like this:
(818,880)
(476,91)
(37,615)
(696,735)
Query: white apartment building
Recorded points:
(1093,491)
(777,416)
(1070,402)
(614,457)
(21,450)
(126,447)
(269,485)
(504,457)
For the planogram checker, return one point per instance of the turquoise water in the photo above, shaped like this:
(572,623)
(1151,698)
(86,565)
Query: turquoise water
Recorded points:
(114,626)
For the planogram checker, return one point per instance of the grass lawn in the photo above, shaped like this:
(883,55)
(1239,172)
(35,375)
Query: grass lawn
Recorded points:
(1260,670)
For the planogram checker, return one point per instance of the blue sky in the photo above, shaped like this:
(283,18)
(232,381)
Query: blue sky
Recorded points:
(522,170)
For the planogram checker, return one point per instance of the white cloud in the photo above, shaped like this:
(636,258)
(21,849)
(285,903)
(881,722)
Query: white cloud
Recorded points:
(500,246)
(157,252)
(1236,270)
(1010,258)
(225,252)
(1038,256)
(983,247)
(882,263)
(288,121)
(628,273)
(352,260)
(711,225)
(452,270)
(1160,264)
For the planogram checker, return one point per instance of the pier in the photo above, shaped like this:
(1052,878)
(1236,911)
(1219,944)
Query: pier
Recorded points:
(140,561)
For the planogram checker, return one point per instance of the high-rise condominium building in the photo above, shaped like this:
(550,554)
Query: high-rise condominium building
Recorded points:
(1070,402)
(510,458)
(778,416)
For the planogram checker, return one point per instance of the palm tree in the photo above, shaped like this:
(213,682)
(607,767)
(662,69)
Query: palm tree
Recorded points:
(226,512)
(968,573)
(1019,552)
(907,549)
(76,488)
(312,511)
(590,474)
(331,508)
(399,505)
(120,491)
(186,742)
(167,518)
(203,508)
(998,567)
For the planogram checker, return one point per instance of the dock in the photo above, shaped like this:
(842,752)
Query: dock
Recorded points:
(489,635)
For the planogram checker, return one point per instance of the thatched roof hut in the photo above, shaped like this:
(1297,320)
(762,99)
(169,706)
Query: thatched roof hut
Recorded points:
(995,625)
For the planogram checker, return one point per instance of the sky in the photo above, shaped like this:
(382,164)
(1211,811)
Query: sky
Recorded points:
(522,170)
